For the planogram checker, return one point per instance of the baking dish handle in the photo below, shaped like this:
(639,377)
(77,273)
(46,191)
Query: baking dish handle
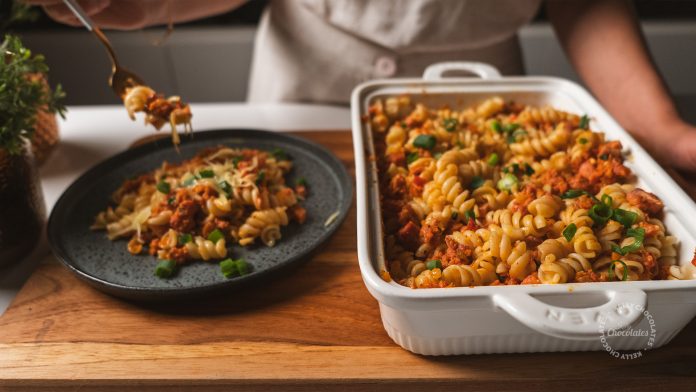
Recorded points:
(484,71)
(623,310)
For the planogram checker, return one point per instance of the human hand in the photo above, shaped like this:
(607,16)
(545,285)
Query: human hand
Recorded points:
(680,151)
(110,14)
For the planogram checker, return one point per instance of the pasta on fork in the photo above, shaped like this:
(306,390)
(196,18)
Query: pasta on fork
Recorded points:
(158,110)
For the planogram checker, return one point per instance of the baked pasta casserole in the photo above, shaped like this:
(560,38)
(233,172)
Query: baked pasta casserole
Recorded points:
(501,193)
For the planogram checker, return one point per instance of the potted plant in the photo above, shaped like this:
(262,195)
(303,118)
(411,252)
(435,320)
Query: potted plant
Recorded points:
(23,94)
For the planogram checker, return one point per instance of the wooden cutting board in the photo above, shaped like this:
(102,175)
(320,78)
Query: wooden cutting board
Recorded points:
(317,328)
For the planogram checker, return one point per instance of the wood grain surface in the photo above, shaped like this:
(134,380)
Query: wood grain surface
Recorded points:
(317,328)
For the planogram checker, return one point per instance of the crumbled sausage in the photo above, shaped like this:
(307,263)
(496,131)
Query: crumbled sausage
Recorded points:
(183,220)
(408,236)
(646,201)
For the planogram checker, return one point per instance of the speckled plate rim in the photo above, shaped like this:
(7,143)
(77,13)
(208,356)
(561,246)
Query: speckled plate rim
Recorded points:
(159,294)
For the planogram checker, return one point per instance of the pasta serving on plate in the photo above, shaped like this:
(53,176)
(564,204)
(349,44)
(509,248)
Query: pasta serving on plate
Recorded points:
(194,209)
(158,110)
(502,193)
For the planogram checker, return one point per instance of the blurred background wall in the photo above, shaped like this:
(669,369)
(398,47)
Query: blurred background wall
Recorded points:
(208,60)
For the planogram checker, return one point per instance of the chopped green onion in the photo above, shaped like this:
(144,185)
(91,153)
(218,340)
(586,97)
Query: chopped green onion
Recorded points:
(242,267)
(437,155)
(612,266)
(412,157)
(573,193)
(469,215)
(638,235)
(510,128)
(433,264)
(604,157)
(260,177)
(424,141)
(507,183)
(495,125)
(228,268)
(206,173)
(582,140)
(185,238)
(528,169)
(454,215)
(600,214)
(506,170)
(450,124)
(515,168)
(493,159)
(606,199)
(476,182)
(280,154)
(165,268)
(301,181)
(584,122)
(226,187)
(514,136)
(163,187)
(189,181)
(215,236)
(171,200)
(569,232)
(235,161)
(626,218)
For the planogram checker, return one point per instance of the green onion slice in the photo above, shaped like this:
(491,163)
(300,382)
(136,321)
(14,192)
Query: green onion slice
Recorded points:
(606,199)
(215,236)
(280,154)
(495,125)
(433,264)
(226,187)
(584,122)
(573,193)
(260,177)
(626,218)
(469,215)
(528,169)
(569,232)
(424,141)
(611,270)
(165,268)
(301,181)
(185,238)
(412,157)
(507,183)
(582,140)
(476,182)
(163,187)
(228,268)
(206,173)
(450,124)
(600,214)
(493,159)
(242,267)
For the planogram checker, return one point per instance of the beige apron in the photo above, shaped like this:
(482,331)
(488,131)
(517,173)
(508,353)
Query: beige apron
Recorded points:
(318,50)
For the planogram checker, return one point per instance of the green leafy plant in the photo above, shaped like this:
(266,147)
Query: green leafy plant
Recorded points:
(23,93)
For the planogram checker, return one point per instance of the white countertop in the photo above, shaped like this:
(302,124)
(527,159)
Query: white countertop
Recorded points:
(91,134)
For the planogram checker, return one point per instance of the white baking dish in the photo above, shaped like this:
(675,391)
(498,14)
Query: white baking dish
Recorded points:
(528,318)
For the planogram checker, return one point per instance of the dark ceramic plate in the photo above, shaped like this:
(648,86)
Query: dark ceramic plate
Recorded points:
(109,267)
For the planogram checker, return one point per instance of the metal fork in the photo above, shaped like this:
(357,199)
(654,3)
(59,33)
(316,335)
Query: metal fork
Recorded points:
(120,78)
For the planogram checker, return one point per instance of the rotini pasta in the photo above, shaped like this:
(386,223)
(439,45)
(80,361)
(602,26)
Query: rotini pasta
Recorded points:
(194,209)
(498,193)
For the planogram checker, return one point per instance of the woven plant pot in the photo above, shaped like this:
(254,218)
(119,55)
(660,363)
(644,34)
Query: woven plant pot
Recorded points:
(46,134)
(22,208)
